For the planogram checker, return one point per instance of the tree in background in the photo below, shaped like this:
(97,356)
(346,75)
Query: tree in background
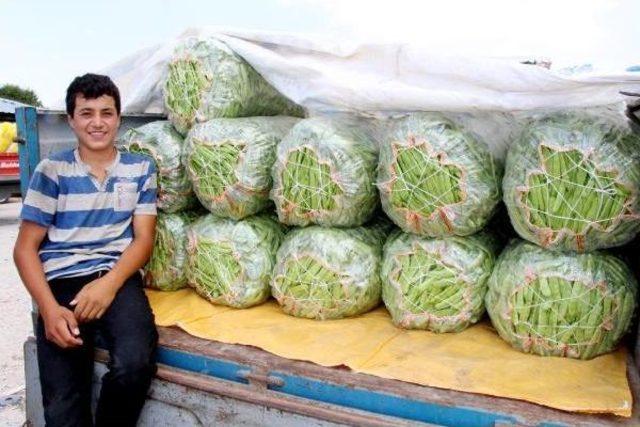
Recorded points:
(16,93)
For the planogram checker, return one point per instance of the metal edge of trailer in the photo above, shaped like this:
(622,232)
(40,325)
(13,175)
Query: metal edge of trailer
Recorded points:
(28,145)
(335,394)
(177,398)
(366,392)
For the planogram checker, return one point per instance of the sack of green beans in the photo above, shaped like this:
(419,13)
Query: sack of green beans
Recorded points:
(230,262)
(560,304)
(166,269)
(324,174)
(572,182)
(437,179)
(437,284)
(329,273)
(229,162)
(160,141)
(206,80)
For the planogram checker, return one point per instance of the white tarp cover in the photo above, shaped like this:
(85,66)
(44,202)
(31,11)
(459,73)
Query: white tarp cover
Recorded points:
(329,75)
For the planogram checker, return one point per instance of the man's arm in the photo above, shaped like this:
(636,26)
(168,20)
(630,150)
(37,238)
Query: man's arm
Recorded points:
(96,297)
(59,322)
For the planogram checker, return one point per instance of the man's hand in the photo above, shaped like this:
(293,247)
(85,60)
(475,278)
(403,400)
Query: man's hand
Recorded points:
(61,327)
(94,298)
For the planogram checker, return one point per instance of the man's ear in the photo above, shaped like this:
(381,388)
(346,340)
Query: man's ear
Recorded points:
(70,121)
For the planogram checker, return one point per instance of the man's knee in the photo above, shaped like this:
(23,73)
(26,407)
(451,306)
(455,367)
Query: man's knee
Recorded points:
(131,369)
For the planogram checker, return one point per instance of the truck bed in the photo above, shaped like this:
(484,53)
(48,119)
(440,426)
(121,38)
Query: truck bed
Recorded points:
(201,382)
(192,362)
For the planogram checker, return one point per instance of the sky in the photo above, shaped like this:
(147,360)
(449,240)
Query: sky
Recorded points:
(45,44)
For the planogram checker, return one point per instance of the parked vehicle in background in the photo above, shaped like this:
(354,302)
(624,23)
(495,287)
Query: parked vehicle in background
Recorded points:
(9,165)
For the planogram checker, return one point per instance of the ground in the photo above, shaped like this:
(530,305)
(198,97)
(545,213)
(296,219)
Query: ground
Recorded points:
(15,306)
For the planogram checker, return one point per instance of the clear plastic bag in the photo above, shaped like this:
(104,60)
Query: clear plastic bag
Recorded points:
(572,181)
(166,269)
(161,141)
(229,162)
(329,273)
(207,80)
(324,173)
(560,304)
(435,178)
(437,284)
(230,262)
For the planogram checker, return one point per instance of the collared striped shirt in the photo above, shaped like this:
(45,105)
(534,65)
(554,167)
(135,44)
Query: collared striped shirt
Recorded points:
(89,223)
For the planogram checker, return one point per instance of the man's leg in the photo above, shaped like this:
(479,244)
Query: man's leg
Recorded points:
(65,374)
(130,335)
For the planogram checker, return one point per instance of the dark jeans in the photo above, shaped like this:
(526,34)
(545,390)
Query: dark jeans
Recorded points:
(128,332)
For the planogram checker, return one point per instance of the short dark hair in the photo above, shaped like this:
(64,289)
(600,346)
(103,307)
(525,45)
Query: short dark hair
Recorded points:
(91,86)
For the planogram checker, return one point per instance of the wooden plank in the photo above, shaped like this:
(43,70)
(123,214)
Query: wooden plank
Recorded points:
(527,413)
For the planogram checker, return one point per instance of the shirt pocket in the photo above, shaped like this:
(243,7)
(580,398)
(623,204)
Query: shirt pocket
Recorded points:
(126,196)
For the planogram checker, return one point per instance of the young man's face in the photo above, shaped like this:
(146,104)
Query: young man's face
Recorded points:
(95,122)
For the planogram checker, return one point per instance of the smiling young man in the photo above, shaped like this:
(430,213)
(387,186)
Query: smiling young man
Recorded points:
(88,225)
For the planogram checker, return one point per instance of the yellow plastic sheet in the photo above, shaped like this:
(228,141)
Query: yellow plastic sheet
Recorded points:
(475,360)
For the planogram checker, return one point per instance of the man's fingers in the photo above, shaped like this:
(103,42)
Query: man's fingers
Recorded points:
(93,314)
(65,337)
(72,323)
(76,299)
(80,307)
(85,311)
(57,340)
(101,313)
(88,308)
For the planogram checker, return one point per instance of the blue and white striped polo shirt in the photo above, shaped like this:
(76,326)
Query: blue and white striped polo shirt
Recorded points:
(89,222)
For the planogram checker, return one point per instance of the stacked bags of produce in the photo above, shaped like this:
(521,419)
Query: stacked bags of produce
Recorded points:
(571,186)
(324,181)
(225,163)
(440,184)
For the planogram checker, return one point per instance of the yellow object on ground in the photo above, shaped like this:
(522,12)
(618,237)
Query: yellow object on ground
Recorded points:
(8,132)
(475,360)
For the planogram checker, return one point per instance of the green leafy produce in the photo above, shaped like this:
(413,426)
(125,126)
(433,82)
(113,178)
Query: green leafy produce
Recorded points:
(207,80)
(329,273)
(435,178)
(438,284)
(230,262)
(229,162)
(560,304)
(324,174)
(572,183)
(160,141)
(166,269)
